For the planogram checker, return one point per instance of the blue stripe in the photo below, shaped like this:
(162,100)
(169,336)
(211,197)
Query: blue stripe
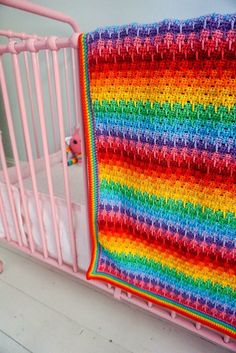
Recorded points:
(187,224)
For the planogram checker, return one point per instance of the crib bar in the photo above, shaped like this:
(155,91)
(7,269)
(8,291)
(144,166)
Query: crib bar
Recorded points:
(52,103)
(15,155)
(28,146)
(4,219)
(73,58)
(198,326)
(20,35)
(64,160)
(68,100)
(84,159)
(9,191)
(39,96)
(31,104)
(43,43)
(226,338)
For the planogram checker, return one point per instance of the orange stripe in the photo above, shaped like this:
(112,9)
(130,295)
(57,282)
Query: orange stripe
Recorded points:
(181,189)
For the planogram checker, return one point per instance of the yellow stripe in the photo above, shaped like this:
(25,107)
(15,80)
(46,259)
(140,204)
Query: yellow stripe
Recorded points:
(215,199)
(127,246)
(172,94)
(163,82)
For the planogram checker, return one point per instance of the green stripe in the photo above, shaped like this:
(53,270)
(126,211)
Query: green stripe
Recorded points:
(124,192)
(167,111)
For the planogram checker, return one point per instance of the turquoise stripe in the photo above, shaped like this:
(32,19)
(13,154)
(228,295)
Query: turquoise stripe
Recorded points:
(173,128)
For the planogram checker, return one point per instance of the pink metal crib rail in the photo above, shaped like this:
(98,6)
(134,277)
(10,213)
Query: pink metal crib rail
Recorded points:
(31,47)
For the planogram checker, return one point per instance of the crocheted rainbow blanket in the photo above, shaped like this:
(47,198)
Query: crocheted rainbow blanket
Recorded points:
(160,119)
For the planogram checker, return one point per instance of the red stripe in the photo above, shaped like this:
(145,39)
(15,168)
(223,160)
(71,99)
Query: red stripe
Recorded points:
(110,223)
(154,160)
(201,68)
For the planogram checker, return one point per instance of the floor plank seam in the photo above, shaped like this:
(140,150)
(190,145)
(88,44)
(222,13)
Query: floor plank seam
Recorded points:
(21,258)
(17,342)
(64,315)
(77,322)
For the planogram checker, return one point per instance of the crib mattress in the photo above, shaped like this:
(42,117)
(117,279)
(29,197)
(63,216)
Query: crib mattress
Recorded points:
(75,174)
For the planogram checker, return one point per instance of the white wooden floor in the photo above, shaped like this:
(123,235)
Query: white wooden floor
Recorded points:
(42,311)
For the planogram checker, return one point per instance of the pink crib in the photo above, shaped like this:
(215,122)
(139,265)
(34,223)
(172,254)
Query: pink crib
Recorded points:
(43,203)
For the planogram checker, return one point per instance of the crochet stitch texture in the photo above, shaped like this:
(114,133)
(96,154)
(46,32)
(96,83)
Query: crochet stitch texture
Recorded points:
(159,117)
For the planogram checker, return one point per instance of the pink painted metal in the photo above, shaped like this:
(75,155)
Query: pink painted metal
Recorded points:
(18,35)
(74,57)
(39,45)
(28,46)
(68,99)
(15,154)
(45,149)
(4,219)
(32,110)
(64,160)
(52,103)
(28,146)
(9,191)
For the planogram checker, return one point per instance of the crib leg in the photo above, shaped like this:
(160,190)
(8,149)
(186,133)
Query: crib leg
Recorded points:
(1,266)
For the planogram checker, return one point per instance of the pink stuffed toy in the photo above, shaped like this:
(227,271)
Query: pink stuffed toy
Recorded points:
(75,142)
(74,148)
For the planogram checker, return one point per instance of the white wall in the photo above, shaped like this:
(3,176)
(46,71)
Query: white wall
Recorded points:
(91,14)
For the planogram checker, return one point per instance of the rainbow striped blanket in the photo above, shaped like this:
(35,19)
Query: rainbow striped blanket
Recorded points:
(159,119)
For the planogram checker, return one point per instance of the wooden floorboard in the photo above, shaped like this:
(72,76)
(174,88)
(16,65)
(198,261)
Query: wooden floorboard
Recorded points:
(43,330)
(9,345)
(49,312)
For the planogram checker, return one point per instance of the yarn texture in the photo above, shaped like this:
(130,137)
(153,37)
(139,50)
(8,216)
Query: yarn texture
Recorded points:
(159,118)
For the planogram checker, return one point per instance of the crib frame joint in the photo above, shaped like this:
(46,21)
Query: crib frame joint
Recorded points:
(117,293)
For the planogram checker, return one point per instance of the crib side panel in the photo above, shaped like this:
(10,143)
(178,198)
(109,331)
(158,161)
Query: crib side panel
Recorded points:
(40,108)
